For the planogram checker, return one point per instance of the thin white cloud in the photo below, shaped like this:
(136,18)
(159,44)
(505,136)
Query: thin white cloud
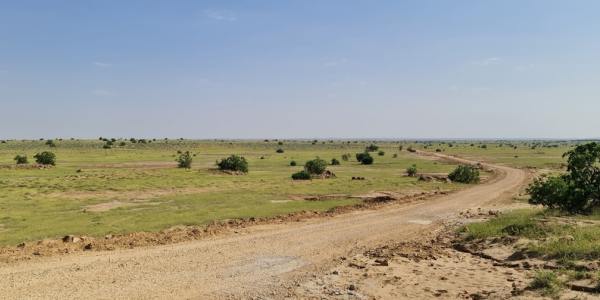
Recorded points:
(100,64)
(220,15)
(490,61)
(102,92)
(523,68)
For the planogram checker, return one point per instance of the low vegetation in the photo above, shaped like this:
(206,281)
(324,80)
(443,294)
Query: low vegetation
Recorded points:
(45,158)
(21,159)
(364,158)
(464,174)
(411,171)
(233,163)
(185,160)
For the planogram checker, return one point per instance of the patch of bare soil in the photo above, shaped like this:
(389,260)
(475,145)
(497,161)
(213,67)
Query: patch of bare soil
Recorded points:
(136,195)
(425,268)
(133,165)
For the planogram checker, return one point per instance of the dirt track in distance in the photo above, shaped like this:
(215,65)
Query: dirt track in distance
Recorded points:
(257,261)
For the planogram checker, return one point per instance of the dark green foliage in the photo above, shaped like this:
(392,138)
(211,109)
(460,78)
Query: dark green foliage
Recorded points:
(438,150)
(293,163)
(316,166)
(233,163)
(122,144)
(411,149)
(395,155)
(107,146)
(400,148)
(576,191)
(381,153)
(464,174)
(279,143)
(345,157)
(364,158)
(371,148)
(412,170)
(184,160)
(21,159)
(45,158)
(335,162)
(302,175)
(279,150)
(50,143)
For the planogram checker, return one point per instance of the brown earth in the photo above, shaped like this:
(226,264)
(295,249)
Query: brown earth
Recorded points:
(263,261)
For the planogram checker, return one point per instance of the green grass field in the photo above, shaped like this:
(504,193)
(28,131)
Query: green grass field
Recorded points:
(137,187)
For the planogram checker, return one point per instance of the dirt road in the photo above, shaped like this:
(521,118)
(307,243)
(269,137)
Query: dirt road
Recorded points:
(258,261)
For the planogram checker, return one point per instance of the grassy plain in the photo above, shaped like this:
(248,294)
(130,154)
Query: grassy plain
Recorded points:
(137,187)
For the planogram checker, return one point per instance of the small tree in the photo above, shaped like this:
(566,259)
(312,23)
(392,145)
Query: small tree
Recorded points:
(293,163)
(381,153)
(302,175)
(21,159)
(400,148)
(184,160)
(233,163)
(279,150)
(364,158)
(45,158)
(50,143)
(464,174)
(315,167)
(372,148)
(345,157)
(335,162)
(412,170)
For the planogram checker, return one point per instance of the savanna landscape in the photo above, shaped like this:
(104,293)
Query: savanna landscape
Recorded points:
(275,150)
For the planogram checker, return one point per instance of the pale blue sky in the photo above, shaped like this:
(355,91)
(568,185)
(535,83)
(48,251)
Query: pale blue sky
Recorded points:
(267,69)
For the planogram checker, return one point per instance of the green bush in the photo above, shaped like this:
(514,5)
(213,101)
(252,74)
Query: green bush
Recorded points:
(233,163)
(400,148)
(293,163)
(45,158)
(345,157)
(464,174)
(315,167)
(184,160)
(302,175)
(371,148)
(364,158)
(21,159)
(279,150)
(576,191)
(412,170)
(381,153)
(50,143)
(335,162)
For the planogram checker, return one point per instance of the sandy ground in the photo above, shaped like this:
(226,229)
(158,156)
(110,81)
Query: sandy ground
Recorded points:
(265,261)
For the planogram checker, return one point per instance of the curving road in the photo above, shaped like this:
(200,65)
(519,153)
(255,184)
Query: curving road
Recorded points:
(258,261)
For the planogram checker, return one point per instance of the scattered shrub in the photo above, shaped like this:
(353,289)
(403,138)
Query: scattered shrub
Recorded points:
(371,148)
(411,149)
(279,143)
(184,160)
(21,159)
(233,163)
(364,158)
(576,191)
(400,148)
(335,162)
(315,167)
(345,157)
(412,170)
(45,158)
(293,163)
(395,155)
(50,143)
(106,146)
(464,174)
(302,175)
(381,153)
(279,150)
(438,150)
(122,144)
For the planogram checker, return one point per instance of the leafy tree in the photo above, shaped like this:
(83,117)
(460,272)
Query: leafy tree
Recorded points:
(576,191)
(233,163)
(335,162)
(21,159)
(315,167)
(45,158)
(381,153)
(364,158)
(184,160)
(50,143)
(302,175)
(293,163)
(279,150)
(464,174)
(345,157)
(412,170)
(372,148)
(400,148)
